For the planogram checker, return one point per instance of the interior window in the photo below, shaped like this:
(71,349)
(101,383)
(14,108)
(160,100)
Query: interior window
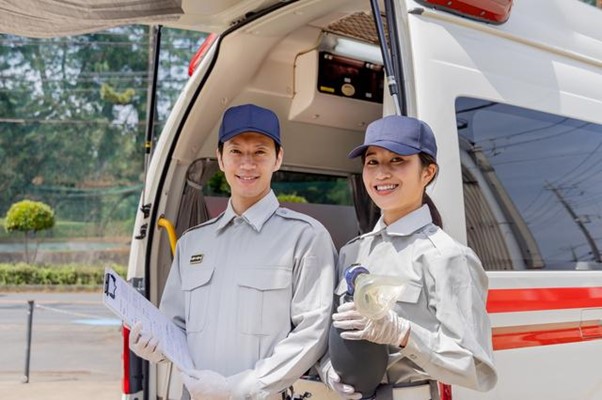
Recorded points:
(327,198)
(532,186)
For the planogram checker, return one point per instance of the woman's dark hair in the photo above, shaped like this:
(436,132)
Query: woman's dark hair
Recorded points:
(426,160)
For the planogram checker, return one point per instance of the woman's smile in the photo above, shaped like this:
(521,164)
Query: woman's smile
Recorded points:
(386,188)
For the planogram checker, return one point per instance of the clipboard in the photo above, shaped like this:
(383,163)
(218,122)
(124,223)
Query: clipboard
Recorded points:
(131,306)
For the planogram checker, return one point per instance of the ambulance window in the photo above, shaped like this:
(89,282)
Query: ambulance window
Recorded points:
(327,198)
(532,186)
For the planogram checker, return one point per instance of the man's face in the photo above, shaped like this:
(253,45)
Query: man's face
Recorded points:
(248,161)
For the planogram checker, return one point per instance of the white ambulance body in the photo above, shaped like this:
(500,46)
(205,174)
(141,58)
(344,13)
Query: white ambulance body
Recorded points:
(517,111)
(513,92)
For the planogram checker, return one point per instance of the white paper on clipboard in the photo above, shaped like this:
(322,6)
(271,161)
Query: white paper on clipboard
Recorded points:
(131,307)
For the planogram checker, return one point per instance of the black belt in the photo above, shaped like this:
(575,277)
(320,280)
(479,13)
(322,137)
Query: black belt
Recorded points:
(411,384)
(385,391)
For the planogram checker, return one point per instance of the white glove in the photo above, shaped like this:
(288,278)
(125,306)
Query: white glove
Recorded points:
(246,385)
(145,345)
(390,329)
(205,385)
(344,391)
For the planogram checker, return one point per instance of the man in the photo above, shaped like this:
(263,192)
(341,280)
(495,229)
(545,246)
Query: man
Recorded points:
(252,288)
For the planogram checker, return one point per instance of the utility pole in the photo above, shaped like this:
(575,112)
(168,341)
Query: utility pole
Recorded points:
(588,237)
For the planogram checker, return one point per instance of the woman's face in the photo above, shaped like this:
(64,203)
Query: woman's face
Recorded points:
(395,183)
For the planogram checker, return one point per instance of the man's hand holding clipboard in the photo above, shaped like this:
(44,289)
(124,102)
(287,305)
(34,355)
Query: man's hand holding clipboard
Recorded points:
(131,307)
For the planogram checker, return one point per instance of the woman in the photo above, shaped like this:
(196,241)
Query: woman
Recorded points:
(439,329)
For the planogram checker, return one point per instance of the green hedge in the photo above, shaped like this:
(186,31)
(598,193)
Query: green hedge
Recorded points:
(70,274)
(64,229)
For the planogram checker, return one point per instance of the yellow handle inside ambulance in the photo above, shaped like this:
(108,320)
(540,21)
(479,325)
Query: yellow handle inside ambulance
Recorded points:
(171,232)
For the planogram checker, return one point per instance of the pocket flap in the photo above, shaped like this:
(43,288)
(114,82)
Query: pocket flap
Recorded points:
(194,277)
(269,278)
(410,293)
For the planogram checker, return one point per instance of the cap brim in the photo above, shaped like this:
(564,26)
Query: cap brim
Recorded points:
(236,132)
(394,147)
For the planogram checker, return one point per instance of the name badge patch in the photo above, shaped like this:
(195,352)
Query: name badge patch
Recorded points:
(196,259)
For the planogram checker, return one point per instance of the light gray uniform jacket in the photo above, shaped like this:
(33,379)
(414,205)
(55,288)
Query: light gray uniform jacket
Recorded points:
(254,295)
(444,301)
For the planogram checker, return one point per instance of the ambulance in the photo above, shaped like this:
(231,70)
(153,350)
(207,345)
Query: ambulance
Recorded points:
(513,92)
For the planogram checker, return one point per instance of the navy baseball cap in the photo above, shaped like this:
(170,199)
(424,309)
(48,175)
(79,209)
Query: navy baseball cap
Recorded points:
(249,118)
(401,135)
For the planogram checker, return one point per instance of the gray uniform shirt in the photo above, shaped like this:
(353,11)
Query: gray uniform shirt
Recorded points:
(444,301)
(254,295)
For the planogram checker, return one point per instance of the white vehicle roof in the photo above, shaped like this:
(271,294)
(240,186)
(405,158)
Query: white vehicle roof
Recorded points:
(49,18)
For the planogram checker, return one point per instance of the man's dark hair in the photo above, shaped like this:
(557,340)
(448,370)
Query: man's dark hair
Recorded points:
(220,147)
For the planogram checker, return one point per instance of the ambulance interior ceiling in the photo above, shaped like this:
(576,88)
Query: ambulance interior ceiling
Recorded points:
(273,62)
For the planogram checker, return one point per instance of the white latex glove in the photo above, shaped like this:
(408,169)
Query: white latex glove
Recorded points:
(246,385)
(205,385)
(344,391)
(145,345)
(390,329)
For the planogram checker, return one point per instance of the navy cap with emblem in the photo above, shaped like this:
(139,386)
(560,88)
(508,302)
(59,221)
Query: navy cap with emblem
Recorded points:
(249,118)
(399,134)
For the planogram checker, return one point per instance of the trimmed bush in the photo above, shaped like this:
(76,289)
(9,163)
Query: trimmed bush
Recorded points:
(70,274)
(29,216)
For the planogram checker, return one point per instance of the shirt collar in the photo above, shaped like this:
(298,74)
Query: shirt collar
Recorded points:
(406,225)
(256,215)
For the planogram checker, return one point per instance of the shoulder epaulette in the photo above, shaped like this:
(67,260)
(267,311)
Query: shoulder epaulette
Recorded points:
(443,242)
(290,214)
(202,224)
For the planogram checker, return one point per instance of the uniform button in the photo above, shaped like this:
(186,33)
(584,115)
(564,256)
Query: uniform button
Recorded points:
(413,356)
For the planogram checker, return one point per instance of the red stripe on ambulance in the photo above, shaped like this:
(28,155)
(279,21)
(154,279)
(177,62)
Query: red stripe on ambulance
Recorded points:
(516,337)
(540,299)
(543,299)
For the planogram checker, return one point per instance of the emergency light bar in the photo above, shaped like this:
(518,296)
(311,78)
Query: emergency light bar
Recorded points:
(491,11)
(200,53)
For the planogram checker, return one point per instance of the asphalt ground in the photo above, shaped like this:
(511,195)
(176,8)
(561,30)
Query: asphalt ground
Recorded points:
(75,347)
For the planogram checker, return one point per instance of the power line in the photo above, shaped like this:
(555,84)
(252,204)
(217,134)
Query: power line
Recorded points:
(546,220)
(495,146)
(169,45)
(547,206)
(545,158)
(69,80)
(521,133)
(537,196)
(30,121)
(90,90)
(586,159)
(590,174)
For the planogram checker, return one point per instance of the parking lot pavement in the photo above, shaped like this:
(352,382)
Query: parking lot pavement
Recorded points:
(75,348)
(59,386)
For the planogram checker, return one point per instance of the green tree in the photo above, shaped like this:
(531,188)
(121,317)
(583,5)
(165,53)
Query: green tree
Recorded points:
(29,217)
(291,198)
(72,116)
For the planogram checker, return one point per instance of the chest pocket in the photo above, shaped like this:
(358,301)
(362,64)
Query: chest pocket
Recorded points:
(410,293)
(196,284)
(264,300)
